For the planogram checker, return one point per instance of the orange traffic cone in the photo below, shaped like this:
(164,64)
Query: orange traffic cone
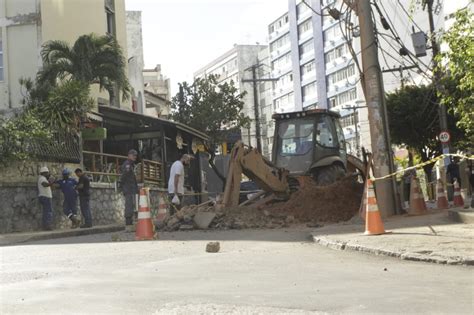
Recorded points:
(441,199)
(162,209)
(417,201)
(373,220)
(457,198)
(144,225)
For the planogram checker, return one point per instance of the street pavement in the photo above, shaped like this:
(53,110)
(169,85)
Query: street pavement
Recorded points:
(256,272)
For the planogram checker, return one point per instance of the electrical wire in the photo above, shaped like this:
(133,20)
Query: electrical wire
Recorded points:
(409,16)
(314,11)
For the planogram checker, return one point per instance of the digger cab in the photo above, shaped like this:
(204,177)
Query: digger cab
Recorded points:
(310,143)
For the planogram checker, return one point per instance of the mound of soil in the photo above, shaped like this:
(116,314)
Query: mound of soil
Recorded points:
(337,202)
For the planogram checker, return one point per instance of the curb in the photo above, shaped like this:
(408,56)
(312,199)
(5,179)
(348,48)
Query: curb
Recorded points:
(12,239)
(338,245)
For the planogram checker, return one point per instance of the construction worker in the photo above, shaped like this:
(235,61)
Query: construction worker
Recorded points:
(83,188)
(68,187)
(45,197)
(129,186)
(176,181)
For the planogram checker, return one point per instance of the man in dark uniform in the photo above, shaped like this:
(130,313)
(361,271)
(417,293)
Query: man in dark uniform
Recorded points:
(128,184)
(68,187)
(83,188)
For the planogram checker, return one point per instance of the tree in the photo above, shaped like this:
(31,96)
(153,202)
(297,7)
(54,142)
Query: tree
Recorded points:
(212,108)
(92,59)
(414,122)
(457,63)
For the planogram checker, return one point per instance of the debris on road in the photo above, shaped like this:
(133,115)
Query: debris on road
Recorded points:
(213,247)
(311,205)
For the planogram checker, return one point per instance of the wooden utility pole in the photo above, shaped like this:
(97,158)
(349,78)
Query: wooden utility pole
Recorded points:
(374,95)
(255,80)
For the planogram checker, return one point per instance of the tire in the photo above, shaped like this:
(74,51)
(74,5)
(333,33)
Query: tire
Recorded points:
(327,175)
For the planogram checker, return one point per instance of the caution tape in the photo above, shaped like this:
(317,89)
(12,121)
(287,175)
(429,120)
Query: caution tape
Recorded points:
(433,160)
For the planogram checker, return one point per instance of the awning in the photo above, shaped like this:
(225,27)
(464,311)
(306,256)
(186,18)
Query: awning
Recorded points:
(122,121)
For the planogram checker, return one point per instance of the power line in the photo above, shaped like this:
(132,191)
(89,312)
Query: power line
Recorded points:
(408,15)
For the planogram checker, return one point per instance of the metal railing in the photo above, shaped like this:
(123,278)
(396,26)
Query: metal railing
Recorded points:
(104,167)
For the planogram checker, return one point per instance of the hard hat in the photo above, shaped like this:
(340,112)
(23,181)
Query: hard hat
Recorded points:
(44,169)
(66,171)
(133,152)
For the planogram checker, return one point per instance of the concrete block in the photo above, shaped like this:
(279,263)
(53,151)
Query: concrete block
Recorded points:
(204,219)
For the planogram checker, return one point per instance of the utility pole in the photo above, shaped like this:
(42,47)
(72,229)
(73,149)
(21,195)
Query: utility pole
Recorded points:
(374,95)
(443,120)
(255,80)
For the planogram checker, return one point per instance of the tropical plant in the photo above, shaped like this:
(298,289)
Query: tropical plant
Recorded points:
(211,107)
(92,59)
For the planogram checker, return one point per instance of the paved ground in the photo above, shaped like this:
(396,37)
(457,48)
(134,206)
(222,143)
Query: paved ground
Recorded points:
(256,272)
(411,238)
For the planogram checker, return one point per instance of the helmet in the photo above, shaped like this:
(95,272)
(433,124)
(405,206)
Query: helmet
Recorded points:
(66,171)
(44,169)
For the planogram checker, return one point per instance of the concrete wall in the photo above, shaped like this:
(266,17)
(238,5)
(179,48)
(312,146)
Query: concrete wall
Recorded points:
(20,210)
(27,24)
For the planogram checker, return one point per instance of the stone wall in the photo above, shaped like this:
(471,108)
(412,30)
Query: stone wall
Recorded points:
(20,210)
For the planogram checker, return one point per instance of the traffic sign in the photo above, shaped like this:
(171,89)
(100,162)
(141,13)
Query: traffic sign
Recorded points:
(444,136)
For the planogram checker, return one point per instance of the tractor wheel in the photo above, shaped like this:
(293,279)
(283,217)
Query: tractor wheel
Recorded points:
(329,174)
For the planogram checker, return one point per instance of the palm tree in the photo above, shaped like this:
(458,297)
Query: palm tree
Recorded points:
(92,59)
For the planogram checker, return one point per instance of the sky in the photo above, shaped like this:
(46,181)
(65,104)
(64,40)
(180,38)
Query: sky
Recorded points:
(185,35)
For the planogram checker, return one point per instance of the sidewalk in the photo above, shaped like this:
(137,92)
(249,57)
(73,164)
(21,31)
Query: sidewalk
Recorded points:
(411,238)
(16,238)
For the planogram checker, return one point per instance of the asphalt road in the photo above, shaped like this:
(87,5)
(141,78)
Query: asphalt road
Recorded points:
(256,272)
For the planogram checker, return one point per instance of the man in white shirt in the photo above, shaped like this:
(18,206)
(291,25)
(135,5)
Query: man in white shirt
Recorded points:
(45,197)
(176,181)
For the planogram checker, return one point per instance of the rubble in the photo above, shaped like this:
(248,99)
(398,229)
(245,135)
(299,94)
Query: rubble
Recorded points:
(213,247)
(311,205)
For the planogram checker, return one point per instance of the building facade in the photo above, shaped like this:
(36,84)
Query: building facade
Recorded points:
(135,60)
(26,25)
(158,96)
(311,55)
(235,66)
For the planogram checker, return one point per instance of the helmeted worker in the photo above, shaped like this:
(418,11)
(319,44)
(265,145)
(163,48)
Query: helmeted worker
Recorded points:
(45,197)
(68,187)
(128,185)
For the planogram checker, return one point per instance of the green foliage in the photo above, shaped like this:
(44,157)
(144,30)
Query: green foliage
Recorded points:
(414,121)
(457,63)
(209,106)
(92,59)
(65,107)
(19,134)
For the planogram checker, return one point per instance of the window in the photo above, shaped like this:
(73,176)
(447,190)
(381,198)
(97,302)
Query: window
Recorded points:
(296,137)
(281,62)
(342,98)
(1,61)
(305,27)
(110,16)
(301,8)
(333,33)
(278,24)
(309,91)
(306,47)
(336,53)
(342,74)
(282,41)
(283,101)
(348,120)
(284,81)
(308,68)
(324,133)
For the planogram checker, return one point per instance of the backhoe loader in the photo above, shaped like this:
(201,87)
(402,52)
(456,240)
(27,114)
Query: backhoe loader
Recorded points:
(308,145)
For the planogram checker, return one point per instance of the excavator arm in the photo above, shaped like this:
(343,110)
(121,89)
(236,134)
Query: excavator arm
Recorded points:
(250,162)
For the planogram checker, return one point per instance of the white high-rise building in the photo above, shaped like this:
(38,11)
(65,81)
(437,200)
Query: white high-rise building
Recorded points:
(311,55)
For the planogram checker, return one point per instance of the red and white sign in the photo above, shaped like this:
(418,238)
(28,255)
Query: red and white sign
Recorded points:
(444,136)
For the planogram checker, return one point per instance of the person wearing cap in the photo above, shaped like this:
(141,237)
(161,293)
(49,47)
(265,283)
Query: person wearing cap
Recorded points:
(176,181)
(68,187)
(128,185)
(83,188)
(45,197)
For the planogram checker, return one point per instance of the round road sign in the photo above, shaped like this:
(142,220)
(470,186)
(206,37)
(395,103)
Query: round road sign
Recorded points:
(444,136)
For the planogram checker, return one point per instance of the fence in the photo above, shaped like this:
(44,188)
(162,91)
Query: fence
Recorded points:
(104,167)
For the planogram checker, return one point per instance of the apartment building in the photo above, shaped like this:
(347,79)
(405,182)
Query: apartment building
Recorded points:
(157,92)
(234,66)
(27,24)
(310,55)
(135,60)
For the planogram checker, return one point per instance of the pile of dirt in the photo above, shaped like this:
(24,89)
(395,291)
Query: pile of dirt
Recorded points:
(334,203)
(310,204)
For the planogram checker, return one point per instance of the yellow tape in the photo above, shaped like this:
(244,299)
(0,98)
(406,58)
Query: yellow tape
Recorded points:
(433,160)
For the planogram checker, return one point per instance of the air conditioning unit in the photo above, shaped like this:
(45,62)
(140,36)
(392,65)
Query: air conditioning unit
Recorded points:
(336,88)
